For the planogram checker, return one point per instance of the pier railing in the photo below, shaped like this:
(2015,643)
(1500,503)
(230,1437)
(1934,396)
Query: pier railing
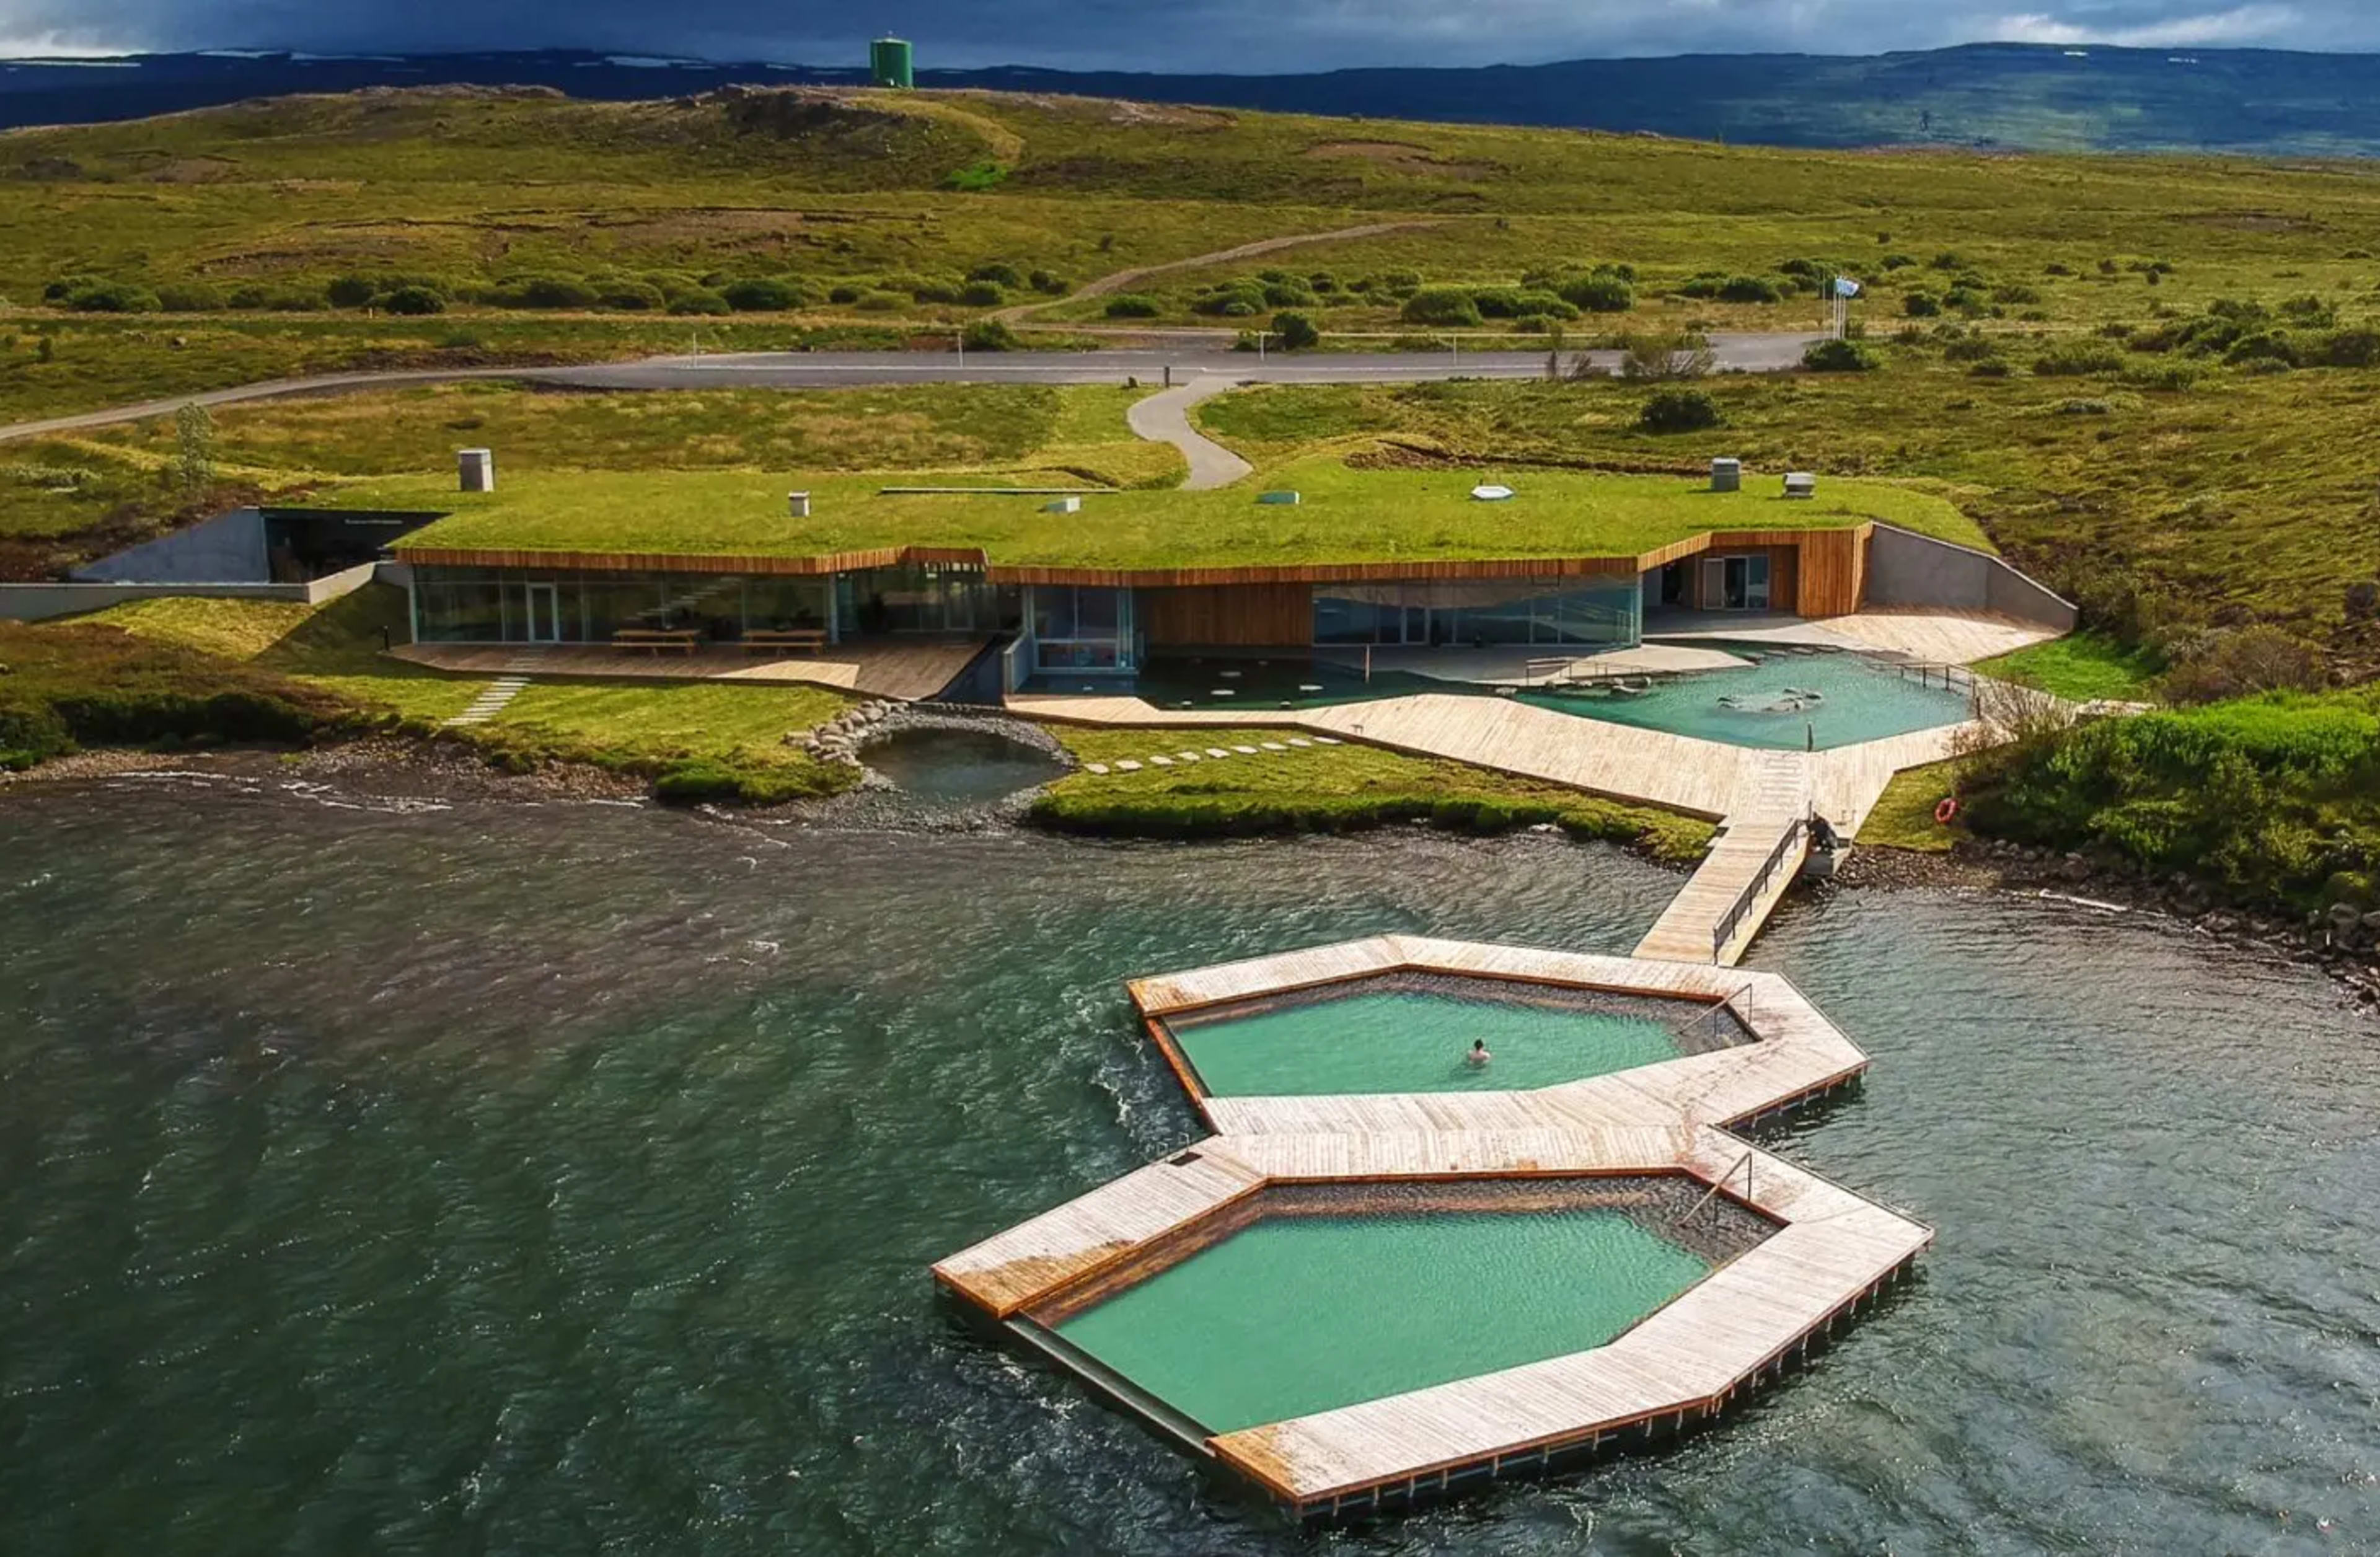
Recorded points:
(1724,930)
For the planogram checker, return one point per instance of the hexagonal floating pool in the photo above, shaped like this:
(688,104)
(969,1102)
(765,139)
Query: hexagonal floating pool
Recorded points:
(1414,1031)
(1310,1297)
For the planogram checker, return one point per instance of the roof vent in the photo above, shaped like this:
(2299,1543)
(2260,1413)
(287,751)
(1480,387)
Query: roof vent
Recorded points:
(1800,483)
(797,505)
(1288,499)
(1727,475)
(477,468)
(1063,505)
(1491,492)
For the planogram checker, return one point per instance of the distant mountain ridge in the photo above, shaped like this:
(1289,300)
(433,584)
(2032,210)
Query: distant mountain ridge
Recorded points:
(1990,95)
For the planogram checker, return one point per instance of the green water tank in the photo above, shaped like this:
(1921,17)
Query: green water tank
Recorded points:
(889,63)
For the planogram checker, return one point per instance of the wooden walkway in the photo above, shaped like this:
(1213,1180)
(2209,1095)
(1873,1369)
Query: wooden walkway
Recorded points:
(904,668)
(1758,853)
(1740,1326)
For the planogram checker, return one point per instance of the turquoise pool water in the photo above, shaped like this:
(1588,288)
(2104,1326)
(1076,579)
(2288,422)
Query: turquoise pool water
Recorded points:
(1295,1315)
(1413,1040)
(1858,698)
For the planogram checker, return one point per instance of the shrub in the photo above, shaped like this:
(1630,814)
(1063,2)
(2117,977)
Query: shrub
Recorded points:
(1749,289)
(2363,601)
(632,297)
(1441,306)
(989,335)
(977,177)
(1839,357)
(2265,346)
(1990,368)
(881,302)
(111,296)
(1296,330)
(1897,261)
(1679,410)
(2348,348)
(414,301)
(2310,312)
(189,297)
(1289,293)
(934,292)
(1239,299)
(351,291)
(1131,305)
(2169,377)
(1949,260)
(982,294)
(2084,407)
(544,291)
(844,295)
(698,300)
(2054,268)
(1969,348)
(2075,359)
(249,296)
(2238,662)
(1542,306)
(2015,293)
(1921,305)
(1601,293)
(1966,301)
(1399,282)
(762,294)
(1049,282)
(1000,273)
(1660,359)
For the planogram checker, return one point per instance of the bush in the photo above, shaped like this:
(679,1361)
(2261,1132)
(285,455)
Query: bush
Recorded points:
(632,297)
(2016,293)
(544,291)
(351,291)
(1291,292)
(1660,359)
(1966,301)
(844,295)
(982,294)
(1240,299)
(1679,410)
(1969,348)
(2348,348)
(1839,357)
(189,297)
(2243,661)
(249,296)
(1921,305)
(762,294)
(698,300)
(2363,601)
(1131,305)
(1897,262)
(880,302)
(1749,289)
(2075,359)
(111,296)
(1601,293)
(413,302)
(2266,348)
(1441,306)
(2169,377)
(989,335)
(1048,284)
(934,292)
(1990,368)
(1000,273)
(1296,330)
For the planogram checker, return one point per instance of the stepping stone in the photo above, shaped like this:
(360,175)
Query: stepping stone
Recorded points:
(1221,692)
(1186,757)
(1245,750)
(1324,740)
(1274,746)
(1160,761)
(1217,751)
(1128,766)
(1300,740)
(1094,767)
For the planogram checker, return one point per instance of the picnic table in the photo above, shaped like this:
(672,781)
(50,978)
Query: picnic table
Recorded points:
(685,640)
(757,640)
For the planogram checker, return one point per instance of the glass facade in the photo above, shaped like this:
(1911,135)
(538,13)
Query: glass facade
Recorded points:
(925,598)
(557,606)
(1594,613)
(1082,628)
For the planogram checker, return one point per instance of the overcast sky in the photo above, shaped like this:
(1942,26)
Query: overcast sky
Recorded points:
(1175,35)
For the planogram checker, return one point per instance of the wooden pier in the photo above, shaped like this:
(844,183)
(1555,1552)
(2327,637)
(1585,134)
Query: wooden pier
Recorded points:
(1743,1326)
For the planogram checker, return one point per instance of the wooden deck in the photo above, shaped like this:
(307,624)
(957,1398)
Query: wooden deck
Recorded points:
(1832,1249)
(1942,638)
(1760,851)
(902,668)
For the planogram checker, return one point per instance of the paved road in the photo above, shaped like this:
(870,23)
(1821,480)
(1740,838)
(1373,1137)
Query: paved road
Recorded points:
(1164,418)
(794,369)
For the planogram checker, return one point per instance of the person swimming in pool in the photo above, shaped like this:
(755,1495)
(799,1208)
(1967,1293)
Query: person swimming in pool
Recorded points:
(1478,1055)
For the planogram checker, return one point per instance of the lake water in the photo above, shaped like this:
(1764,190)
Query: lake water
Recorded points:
(533,1179)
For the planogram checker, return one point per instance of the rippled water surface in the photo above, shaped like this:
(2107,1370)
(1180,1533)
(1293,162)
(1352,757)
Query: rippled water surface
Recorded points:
(519,1179)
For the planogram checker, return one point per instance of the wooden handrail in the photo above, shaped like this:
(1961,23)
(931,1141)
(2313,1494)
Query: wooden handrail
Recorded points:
(1718,1183)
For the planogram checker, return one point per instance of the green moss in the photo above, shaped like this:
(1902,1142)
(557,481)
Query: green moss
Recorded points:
(2082,666)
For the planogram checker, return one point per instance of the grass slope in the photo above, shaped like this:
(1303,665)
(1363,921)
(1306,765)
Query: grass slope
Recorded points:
(1327,789)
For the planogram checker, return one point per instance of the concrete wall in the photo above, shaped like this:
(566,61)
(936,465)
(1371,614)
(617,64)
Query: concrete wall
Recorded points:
(227,549)
(38,602)
(1908,569)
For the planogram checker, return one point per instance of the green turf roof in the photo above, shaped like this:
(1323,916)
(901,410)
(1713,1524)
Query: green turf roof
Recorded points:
(1346,515)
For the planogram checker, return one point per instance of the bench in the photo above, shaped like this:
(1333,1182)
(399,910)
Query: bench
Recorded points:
(811,640)
(683,639)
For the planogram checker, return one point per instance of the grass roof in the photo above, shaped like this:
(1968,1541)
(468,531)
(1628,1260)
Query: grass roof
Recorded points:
(1345,516)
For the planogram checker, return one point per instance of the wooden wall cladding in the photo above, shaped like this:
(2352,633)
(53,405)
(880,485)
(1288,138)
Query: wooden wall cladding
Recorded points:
(1226,616)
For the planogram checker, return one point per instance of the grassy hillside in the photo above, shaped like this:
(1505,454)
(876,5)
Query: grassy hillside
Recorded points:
(546,229)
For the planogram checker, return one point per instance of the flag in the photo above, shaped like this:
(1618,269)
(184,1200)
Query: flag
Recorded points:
(1846,288)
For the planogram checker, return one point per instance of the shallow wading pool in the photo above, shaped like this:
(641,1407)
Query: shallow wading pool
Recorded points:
(1782,702)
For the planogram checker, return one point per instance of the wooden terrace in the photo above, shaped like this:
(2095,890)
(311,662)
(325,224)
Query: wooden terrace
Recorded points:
(1743,1326)
(906,668)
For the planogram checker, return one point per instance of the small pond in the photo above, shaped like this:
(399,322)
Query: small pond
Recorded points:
(961,767)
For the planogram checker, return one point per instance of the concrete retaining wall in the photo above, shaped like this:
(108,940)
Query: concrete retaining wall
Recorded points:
(227,549)
(38,602)
(1908,569)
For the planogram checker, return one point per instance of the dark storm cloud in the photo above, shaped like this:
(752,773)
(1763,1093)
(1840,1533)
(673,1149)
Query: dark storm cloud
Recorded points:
(1174,35)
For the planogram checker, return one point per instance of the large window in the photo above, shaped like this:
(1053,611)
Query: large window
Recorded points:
(1480,613)
(925,598)
(513,605)
(1082,628)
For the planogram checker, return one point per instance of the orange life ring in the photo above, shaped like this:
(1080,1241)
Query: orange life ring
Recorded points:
(1945,811)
